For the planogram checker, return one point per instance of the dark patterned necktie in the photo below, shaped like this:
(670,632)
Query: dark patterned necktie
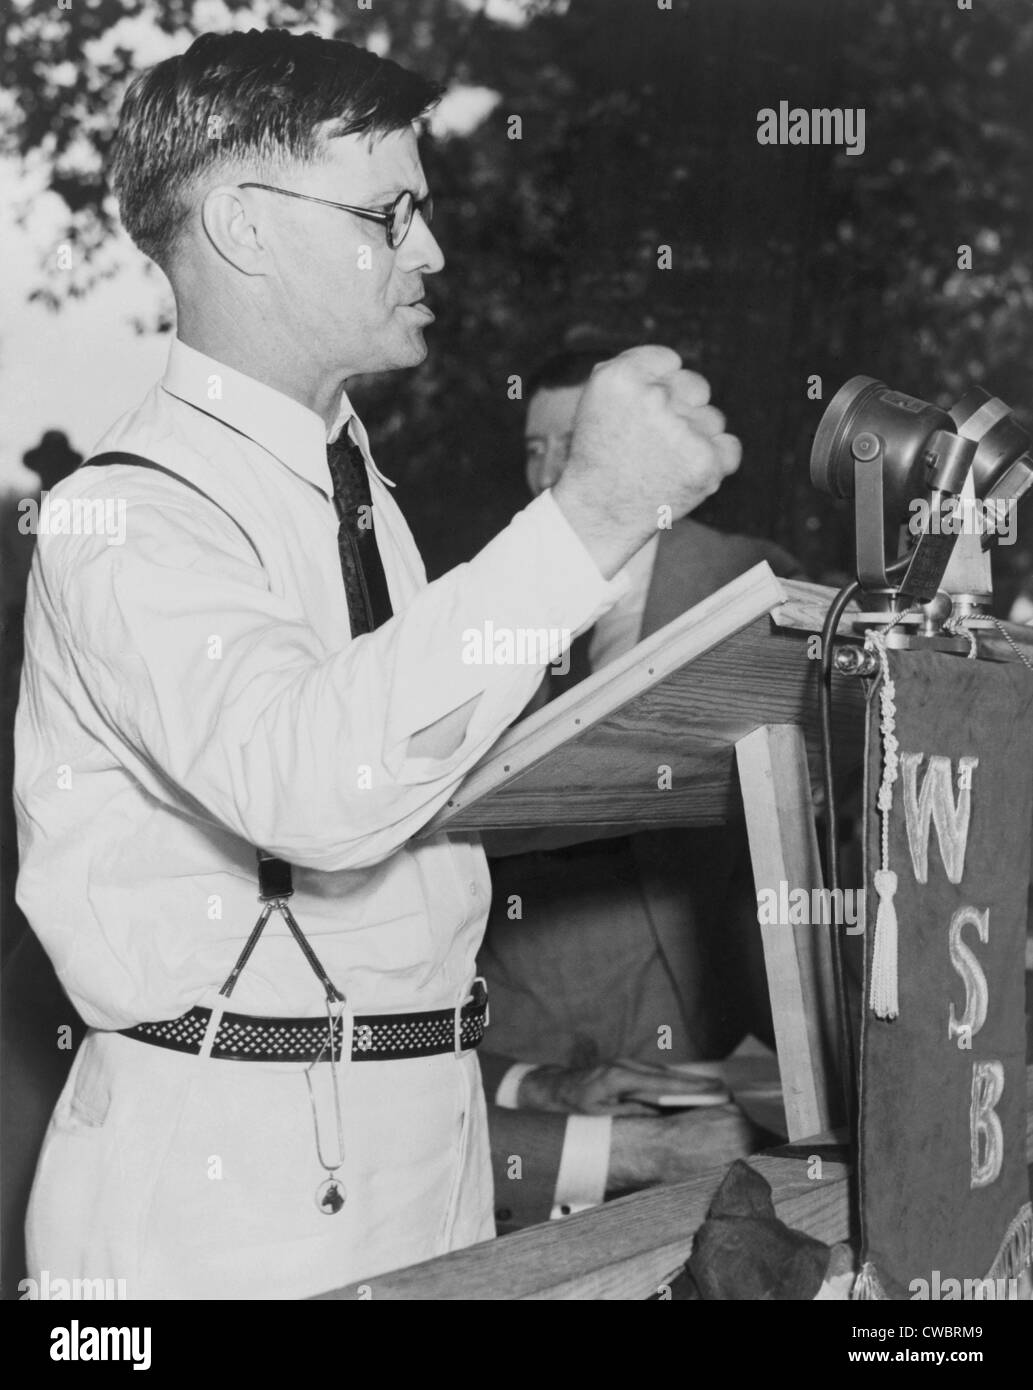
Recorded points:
(365,584)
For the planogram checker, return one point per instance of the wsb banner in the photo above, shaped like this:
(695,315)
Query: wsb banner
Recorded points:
(944,1189)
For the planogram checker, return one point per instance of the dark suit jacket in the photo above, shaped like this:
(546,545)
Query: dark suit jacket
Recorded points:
(692,562)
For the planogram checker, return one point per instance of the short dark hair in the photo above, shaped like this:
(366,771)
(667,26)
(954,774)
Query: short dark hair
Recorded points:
(255,98)
(571,367)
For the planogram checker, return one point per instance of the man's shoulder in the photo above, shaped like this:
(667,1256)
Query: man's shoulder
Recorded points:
(138,419)
(112,511)
(184,461)
(151,433)
(160,429)
(693,561)
(733,551)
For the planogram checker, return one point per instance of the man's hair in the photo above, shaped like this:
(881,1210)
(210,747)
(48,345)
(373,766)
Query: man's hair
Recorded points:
(256,100)
(571,367)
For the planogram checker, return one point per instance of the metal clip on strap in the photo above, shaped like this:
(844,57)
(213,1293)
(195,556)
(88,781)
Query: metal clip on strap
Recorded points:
(275,886)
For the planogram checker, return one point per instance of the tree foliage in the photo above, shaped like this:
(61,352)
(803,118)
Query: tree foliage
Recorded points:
(638,131)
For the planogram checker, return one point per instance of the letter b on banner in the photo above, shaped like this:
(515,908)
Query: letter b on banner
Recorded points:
(986,1133)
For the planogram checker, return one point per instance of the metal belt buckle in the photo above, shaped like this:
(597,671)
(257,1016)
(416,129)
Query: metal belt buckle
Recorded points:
(478,998)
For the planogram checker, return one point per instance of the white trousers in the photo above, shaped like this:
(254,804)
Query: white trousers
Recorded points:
(193,1178)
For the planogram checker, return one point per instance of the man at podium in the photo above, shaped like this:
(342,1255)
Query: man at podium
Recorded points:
(259,694)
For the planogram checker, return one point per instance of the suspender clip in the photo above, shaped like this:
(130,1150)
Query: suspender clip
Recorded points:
(275,881)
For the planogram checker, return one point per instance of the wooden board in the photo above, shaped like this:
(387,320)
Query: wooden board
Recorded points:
(682,699)
(805,608)
(624,1249)
(798,959)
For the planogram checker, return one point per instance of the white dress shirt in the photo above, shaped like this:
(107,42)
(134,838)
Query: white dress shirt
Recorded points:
(195,692)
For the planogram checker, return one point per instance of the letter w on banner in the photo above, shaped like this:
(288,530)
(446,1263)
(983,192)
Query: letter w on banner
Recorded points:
(944,1184)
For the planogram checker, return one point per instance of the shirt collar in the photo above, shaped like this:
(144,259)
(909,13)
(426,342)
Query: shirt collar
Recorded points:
(284,427)
(357,430)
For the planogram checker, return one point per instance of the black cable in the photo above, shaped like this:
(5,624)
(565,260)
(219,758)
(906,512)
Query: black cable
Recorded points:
(848,1073)
(848,1062)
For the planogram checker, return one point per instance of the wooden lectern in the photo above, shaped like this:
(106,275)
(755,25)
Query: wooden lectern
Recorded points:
(712,718)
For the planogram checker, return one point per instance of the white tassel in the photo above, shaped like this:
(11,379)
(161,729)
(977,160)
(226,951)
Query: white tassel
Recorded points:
(868,1287)
(883,995)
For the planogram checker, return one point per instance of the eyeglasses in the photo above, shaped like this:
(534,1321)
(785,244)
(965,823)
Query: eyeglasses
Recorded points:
(397,219)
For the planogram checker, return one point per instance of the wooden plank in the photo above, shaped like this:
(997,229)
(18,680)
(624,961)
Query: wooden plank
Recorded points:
(784,851)
(805,608)
(580,709)
(603,772)
(624,1249)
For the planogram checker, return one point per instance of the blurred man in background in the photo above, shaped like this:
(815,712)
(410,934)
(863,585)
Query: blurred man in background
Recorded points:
(630,954)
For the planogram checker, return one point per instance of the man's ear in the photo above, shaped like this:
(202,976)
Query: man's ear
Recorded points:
(229,221)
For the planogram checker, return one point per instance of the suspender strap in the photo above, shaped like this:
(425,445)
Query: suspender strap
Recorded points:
(138,461)
(275,880)
(333,994)
(245,955)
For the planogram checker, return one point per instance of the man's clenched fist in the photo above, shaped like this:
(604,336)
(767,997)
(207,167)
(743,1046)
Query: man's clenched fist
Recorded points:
(645,437)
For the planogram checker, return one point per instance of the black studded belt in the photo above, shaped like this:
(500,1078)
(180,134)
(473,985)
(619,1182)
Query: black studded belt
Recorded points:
(375,1037)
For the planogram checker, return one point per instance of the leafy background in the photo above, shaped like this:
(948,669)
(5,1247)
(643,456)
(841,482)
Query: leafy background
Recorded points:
(639,130)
